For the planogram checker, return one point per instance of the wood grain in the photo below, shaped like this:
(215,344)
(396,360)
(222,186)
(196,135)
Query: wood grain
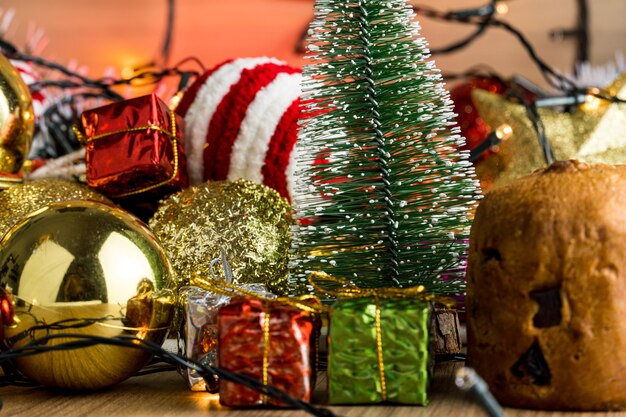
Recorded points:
(446,331)
(166,394)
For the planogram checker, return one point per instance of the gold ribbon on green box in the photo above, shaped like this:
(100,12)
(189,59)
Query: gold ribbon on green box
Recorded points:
(378,343)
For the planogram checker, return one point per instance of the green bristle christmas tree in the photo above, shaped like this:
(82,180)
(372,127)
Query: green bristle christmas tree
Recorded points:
(384,194)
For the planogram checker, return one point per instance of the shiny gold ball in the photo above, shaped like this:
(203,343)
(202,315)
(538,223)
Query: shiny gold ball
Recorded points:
(17,119)
(22,199)
(250,221)
(91,268)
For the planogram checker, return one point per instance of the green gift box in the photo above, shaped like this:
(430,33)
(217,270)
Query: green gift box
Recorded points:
(379,351)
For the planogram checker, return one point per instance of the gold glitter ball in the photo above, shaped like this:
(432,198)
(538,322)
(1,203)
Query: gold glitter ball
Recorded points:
(22,199)
(595,132)
(251,222)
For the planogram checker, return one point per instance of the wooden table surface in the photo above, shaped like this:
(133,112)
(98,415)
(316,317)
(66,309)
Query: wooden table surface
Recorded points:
(166,394)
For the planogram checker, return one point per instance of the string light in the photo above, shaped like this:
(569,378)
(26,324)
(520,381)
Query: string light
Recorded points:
(492,141)
(175,101)
(502,8)
(592,101)
(504,132)
(57,137)
(588,98)
(127,72)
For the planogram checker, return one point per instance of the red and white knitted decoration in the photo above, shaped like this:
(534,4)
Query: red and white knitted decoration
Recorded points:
(241,122)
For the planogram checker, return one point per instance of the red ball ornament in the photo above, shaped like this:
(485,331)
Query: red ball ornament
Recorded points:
(7,313)
(473,127)
(242,119)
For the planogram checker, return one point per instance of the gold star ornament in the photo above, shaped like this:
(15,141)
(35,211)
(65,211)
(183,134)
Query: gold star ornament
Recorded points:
(594,132)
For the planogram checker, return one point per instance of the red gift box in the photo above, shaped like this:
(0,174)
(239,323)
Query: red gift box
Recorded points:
(279,352)
(134,147)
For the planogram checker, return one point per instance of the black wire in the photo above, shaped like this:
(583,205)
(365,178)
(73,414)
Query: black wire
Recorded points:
(166,48)
(191,59)
(17,380)
(155,370)
(54,136)
(479,150)
(582,33)
(487,12)
(148,76)
(553,78)
(64,324)
(79,81)
(13,53)
(449,357)
(483,17)
(58,138)
(464,42)
(41,345)
(537,123)
(605,95)
(11,376)
(535,119)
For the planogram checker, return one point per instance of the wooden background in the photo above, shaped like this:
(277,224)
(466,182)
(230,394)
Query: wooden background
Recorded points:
(125,33)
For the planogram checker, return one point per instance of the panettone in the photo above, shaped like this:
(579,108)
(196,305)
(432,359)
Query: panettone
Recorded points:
(546,297)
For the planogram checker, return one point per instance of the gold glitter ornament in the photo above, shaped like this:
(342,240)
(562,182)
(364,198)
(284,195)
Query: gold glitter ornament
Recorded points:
(90,268)
(595,132)
(251,222)
(22,199)
(17,119)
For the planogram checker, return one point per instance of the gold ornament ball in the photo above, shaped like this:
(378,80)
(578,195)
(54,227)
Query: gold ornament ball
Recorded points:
(250,221)
(90,268)
(17,119)
(22,199)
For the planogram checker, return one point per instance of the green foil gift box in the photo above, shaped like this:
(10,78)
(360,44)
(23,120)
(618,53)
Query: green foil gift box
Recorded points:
(379,350)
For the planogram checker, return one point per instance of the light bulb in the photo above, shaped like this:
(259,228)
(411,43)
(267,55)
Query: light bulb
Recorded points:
(592,102)
(502,8)
(504,131)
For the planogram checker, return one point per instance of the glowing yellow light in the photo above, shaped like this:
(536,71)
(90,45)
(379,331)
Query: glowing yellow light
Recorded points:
(592,102)
(502,8)
(141,334)
(504,131)
(175,101)
(127,72)
(206,401)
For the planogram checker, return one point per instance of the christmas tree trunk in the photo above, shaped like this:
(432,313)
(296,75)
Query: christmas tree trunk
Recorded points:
(384,193)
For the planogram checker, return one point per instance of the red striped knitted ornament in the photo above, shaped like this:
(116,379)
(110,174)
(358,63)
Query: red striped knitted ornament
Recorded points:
(242,119)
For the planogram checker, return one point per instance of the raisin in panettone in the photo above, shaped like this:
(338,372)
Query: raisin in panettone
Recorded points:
(547,289)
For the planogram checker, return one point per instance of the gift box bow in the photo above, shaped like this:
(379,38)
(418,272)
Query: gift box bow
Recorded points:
(350,290)
(307,303)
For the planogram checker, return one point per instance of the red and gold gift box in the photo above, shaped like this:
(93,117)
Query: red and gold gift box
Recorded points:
(271,341)
(134,147)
